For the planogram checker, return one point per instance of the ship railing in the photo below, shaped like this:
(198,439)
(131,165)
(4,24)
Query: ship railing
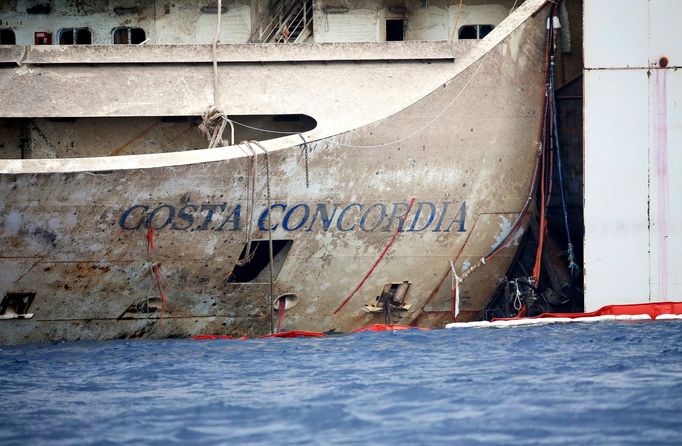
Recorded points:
(288,21)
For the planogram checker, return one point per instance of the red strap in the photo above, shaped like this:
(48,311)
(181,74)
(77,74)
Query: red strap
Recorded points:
(151,234)
(381,256)
(203,337)
(280,313)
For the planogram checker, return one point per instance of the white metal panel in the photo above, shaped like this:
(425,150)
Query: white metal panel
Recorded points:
(665,36)
(665,166)
(616,33)
(616,187)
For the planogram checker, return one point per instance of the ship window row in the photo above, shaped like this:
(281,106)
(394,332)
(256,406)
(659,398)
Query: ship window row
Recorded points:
(83,36)
(79,36)
(134,36)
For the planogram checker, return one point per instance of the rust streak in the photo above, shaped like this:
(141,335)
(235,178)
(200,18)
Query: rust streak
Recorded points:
(173,139)
(120,149)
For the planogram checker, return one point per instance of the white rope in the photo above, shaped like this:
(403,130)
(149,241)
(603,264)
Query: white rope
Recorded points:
(215,55)
(456,281)
(434,119)
(214,120)
(263,130)
(518,304)
(213,123)
(419,130)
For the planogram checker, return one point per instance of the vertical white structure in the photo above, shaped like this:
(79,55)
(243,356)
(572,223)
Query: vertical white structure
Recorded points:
(633,151)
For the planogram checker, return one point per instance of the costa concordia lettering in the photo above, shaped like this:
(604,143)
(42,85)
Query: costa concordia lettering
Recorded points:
(425,215)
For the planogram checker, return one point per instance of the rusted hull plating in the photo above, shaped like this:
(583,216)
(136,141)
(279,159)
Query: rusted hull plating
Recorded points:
(374,212)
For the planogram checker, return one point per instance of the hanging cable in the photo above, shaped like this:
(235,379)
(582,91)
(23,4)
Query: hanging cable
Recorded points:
(269,217)
(305,154)
(549,138)
(539,179)
(251,204)
(278,132)
(572,266)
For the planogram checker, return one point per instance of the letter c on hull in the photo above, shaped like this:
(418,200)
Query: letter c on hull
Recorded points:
(123,221)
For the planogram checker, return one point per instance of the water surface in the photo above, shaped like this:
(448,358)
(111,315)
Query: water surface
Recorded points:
(607,383)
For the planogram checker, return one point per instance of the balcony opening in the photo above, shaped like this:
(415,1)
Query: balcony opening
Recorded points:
(69,137)
(16,305)
(395,30)
(391,302)
(75,36)
(143,308)
(7,37)
(256,270)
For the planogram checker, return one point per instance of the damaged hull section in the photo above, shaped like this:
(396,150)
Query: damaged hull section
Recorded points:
(153,245)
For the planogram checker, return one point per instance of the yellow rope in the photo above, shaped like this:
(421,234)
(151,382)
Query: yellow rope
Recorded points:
(454,28)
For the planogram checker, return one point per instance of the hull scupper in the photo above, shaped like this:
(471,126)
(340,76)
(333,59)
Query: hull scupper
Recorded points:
(372,202)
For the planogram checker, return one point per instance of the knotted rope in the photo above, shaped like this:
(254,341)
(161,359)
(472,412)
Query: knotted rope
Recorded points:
(213,123)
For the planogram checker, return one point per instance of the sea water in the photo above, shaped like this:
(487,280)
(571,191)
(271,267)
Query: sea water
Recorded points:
(578,384)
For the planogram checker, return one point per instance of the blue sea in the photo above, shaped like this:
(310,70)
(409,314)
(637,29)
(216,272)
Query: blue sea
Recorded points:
(577,384)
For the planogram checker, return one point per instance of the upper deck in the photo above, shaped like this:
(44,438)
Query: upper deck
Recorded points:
(113,68)
(103,22)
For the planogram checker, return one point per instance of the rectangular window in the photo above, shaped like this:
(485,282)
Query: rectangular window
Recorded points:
(474,32)
(128,36)
(7,37)
(75,36)
(254,266)
(395,30)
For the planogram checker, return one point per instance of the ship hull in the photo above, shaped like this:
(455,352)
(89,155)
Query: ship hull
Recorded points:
(111,251)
